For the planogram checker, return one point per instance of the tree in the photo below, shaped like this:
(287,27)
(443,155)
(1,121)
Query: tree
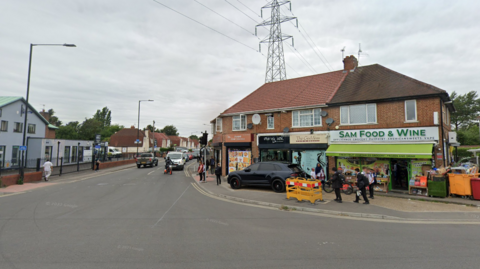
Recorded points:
(469,135)
(468,108)
(89,128)
(150,127)
(107,132)
(194,137)
(53,119)
(103,116)
(170,130)
(66,132)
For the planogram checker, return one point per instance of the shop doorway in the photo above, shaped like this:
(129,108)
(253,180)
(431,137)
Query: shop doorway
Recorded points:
(400,171)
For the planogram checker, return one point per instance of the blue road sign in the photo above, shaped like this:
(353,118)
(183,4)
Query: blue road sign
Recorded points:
(97,147)
(22,148)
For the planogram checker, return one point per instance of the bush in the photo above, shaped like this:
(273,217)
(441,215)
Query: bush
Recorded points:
(462,152)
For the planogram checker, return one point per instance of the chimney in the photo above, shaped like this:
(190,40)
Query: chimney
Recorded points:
(350,63)
(133,127)
(45,115)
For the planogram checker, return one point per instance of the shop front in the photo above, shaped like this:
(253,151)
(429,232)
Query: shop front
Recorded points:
(396,154)
(305,149)
(238,150)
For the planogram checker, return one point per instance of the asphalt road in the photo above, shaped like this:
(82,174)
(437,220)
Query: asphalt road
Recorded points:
(141,218)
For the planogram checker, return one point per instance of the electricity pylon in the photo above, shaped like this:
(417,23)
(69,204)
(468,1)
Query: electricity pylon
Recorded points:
(275,59)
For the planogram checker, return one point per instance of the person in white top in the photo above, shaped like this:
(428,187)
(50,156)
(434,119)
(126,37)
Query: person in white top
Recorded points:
(371,179)
(47,168)
(312,174)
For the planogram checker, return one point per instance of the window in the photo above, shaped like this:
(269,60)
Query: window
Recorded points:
(239,123)
(66,155)
(270,122)
(307,118)
(267,167)
(15,155)
(2,157)
(411,110)
(358,114)
(31,128)
(18,127)
(0,112)
(74,154)
(4,126)
(254,167)
(219,125)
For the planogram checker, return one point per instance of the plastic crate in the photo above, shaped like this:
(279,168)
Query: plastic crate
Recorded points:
(437,188)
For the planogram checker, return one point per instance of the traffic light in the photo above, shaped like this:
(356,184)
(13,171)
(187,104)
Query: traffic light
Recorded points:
(204,139)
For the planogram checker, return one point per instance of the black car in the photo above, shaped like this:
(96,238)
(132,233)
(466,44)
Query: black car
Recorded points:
(271,174)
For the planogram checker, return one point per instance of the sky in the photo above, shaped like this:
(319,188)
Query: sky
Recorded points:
(202,57)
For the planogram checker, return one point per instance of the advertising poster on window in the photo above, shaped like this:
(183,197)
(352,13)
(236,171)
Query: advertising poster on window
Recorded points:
(309,159)
(347,167)
(417,166)
(382,166)
(238,159)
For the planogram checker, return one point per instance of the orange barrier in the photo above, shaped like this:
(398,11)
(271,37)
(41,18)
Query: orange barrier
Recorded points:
(302,189)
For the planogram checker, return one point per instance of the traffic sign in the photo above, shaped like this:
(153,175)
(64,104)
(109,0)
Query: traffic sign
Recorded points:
(23,148)
(97,147)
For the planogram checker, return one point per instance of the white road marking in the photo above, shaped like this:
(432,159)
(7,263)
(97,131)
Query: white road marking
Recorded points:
(171,206)
(150,173)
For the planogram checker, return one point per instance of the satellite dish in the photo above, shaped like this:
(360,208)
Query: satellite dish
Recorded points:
(324,113)
(249,126)
(329,121)
(286,130)
(256,119)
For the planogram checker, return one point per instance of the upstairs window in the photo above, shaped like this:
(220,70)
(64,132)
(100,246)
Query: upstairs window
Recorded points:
(18,127)
(239,123)
(4,126)
(219,125)
(358,114)
(31,128)
(411,110)
(270,122)
(307,118)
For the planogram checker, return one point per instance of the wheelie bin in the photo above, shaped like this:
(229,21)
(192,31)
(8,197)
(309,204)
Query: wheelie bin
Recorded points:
(437,186)
(460,184)
(476,188)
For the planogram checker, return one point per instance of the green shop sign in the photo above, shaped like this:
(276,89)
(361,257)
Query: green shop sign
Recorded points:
(385,135)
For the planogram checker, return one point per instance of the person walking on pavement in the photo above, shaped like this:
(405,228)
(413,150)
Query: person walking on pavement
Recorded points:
(218,173)
(320,174)
(337,183)
(47,168)
(372,178)
(201,170)
(97,164)
(362,182)
(212,165)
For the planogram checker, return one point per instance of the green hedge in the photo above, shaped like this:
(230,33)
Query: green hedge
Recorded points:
(462,152)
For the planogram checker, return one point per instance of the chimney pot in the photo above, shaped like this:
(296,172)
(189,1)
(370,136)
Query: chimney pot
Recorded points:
(350,63)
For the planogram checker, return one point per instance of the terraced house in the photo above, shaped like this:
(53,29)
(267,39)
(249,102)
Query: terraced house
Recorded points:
(359,116)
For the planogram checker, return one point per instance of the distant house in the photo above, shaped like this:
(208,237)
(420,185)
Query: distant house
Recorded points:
(163,141)
(12,117)
(124,140)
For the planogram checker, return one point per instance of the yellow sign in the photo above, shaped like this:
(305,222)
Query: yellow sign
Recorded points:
(309,139)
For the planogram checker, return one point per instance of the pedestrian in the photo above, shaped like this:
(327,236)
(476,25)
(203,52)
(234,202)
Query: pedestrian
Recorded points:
(362,183)
(320,174)
(207,163)
(200,171)
(337,183)
(395,173)
(47,168)
(372,180)
(312,174)
(218,173)
(212,165)
(97,164)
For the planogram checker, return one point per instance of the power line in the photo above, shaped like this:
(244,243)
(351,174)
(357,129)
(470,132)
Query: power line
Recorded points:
(302,58)
(225,17)
(242,12)
(249,8)
(231,38)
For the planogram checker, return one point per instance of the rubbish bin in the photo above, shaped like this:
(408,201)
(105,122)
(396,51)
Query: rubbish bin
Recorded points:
(437,186)
(460,184)
(476,188)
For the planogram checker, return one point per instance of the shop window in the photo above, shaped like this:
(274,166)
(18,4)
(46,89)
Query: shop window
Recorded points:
(411,110)
(18,127)
(15,155)
(4,126)
(239,123)
(2,157)
(307,118)
(66,154)
(31,128)
(358,114)
(74,154)
(219,125)
(270,122)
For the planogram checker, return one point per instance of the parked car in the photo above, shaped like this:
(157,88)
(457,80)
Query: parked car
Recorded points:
(177,159)
(185,157)
(271,174)
(147,159)
(190,156)
(196,153)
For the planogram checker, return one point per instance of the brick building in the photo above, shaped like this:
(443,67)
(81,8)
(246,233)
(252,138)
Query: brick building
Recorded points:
(359,116)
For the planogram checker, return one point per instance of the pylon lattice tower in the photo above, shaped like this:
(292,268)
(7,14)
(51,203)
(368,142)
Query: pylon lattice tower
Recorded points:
(275,59)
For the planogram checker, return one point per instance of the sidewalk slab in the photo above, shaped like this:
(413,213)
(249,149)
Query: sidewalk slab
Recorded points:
(25,187)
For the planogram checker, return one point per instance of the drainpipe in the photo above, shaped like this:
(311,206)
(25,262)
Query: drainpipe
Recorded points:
(441,126)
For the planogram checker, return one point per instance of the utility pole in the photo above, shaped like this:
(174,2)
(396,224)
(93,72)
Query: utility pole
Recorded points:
(275,60)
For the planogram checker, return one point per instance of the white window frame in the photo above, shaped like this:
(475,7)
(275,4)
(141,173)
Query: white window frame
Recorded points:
(272,118)
(416,111)
(34,128)
(313,115)
(243,125)
(366,113)
(219,125)
(6,126)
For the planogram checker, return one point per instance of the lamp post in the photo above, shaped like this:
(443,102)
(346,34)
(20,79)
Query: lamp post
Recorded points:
(28,94)
(138,127)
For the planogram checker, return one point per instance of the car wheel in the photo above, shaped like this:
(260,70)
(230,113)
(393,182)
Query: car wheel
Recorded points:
(278,185)
(235,183)
(156,164)
(138,166)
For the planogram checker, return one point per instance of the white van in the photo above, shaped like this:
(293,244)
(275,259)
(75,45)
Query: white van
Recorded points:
(113,152)
(177,159)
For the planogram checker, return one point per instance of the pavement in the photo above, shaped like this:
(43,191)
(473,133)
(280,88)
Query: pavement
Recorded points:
(391,206)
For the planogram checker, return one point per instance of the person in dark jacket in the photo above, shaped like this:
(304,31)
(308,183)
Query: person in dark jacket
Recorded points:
(337,183)
(362,183)
(212,165)
(218,173)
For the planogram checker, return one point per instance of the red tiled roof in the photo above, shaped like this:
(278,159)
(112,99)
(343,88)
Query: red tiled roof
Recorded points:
(175,140)
(297,92)
(160,137)
(126,138)
(376,82)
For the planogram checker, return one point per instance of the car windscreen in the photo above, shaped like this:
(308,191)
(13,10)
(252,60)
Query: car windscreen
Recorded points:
(146,155)
(175,156)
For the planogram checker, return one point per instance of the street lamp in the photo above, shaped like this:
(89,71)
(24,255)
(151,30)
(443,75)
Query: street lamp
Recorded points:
(138,127)
(28,94)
